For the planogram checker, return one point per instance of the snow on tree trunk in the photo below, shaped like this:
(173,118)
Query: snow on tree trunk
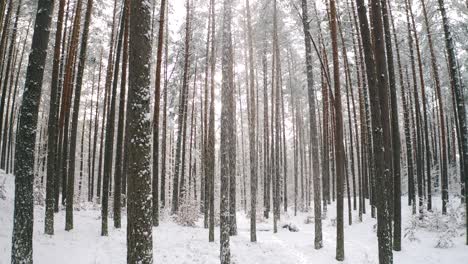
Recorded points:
(22,251)
(139,228)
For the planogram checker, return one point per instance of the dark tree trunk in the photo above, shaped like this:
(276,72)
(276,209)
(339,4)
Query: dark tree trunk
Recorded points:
(338,132)
(119,177)
(157,98)
(210,153)
(109,145)
(313,127)
(409,152)
(24,157)
(164,131)
(384,176)
(395,131)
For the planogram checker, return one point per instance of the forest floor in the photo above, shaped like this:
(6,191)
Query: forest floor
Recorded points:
(176,244)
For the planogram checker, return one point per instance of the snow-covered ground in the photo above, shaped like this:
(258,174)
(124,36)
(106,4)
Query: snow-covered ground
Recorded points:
(176,244)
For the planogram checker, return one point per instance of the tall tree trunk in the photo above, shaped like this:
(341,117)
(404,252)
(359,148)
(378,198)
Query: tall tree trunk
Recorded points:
(52,168)
(24,158)
(204,201)
(181,113)
(109,145)
(76,110)
(120,146)
(164,125)
(378,118)
(395,130)
(210,156)
(339,147)
(313,127)
(227,144)
(157,97)
(384,179)
(252,130)
(409,152)
(139,228)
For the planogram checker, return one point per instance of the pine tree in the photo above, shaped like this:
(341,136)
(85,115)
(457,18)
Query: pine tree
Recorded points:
(383,173)
(24,156)
(409,152)
(377,88)
(76,110)
(313,127)
(52,129)
(119,174)
(339,147)
(395,130)
(164,123)
(227,121)
(210,152)
(110,134)
(139,228)
(157,92)
(252,132)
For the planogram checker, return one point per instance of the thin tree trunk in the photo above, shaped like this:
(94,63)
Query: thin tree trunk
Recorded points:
(157,98)
(181,113)
(313,127)
(339,147)
(227,144)
(109,145)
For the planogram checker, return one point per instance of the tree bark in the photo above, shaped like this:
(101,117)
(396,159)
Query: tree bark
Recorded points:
(24,156)
(139,228)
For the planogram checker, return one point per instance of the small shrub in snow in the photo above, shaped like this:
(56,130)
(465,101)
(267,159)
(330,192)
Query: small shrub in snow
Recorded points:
(333,222)
(188,213)
(446,238)
(424,217)
(455,214)
(410,230)
(436,221)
